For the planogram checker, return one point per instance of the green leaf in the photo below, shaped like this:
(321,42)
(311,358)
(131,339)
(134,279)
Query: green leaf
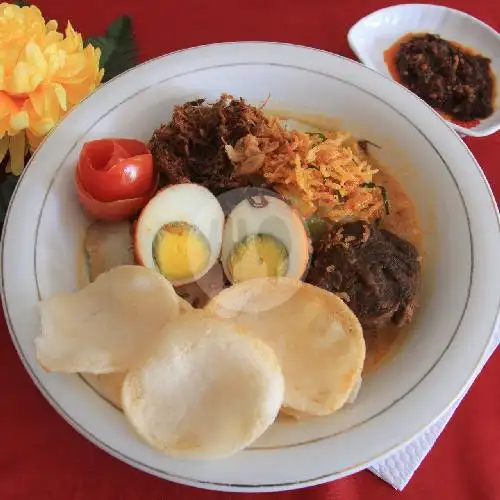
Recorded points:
(317,227)
(118,48)
(120,28)
(385,198)
(20,3)
(319,134)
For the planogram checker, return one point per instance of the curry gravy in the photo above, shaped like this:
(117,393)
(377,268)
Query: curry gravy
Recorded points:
(402,220)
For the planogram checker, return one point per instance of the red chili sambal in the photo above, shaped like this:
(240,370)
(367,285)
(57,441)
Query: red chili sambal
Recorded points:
(453,79)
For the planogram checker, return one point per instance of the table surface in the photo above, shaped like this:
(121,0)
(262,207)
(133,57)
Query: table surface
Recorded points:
(42,457)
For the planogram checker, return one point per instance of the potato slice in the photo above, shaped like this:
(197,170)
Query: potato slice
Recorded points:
(317,338)
(106,326)
(108,245)
(208,390)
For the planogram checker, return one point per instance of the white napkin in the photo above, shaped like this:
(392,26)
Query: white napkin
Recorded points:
(398,468)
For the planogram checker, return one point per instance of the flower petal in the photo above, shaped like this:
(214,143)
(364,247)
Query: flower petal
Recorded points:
(51,26)
(18,122)
(7,107)
(37,101)
(19,82)
(35,58)
(45,102)
(60,94)
(33,140)
(43,126)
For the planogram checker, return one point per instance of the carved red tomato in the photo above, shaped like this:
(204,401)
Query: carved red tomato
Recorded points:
(115,178)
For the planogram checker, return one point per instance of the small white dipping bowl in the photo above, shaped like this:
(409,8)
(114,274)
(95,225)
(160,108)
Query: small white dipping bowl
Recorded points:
(375,33)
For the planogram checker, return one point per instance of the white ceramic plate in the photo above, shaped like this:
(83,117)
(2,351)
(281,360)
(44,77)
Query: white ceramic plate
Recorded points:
(375,33)
(42,249)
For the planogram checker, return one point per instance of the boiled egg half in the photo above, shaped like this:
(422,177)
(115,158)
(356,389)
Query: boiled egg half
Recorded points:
(264,237)
(179,233)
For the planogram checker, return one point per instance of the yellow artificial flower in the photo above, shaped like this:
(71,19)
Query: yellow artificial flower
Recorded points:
(43,73)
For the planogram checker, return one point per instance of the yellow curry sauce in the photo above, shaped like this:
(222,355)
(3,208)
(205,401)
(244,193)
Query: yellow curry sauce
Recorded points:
(402,221)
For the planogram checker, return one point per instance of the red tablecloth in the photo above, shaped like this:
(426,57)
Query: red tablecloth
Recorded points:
(42,457)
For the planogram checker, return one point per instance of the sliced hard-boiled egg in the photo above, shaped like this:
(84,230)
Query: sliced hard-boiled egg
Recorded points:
(264,237)
(179,233)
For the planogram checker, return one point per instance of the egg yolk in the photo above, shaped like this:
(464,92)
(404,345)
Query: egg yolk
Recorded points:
(258,256)
(180,251)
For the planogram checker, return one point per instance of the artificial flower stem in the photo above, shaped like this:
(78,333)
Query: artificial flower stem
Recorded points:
(17,145)
(4,147)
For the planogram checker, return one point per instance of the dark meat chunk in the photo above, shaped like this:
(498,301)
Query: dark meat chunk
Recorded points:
(373,270)
(447,77)
(191,147)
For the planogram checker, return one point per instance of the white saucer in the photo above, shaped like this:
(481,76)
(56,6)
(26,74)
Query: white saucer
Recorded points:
(375,33)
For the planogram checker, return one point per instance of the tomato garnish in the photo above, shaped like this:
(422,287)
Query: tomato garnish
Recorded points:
(115,169)
(113,211)
(115,178)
